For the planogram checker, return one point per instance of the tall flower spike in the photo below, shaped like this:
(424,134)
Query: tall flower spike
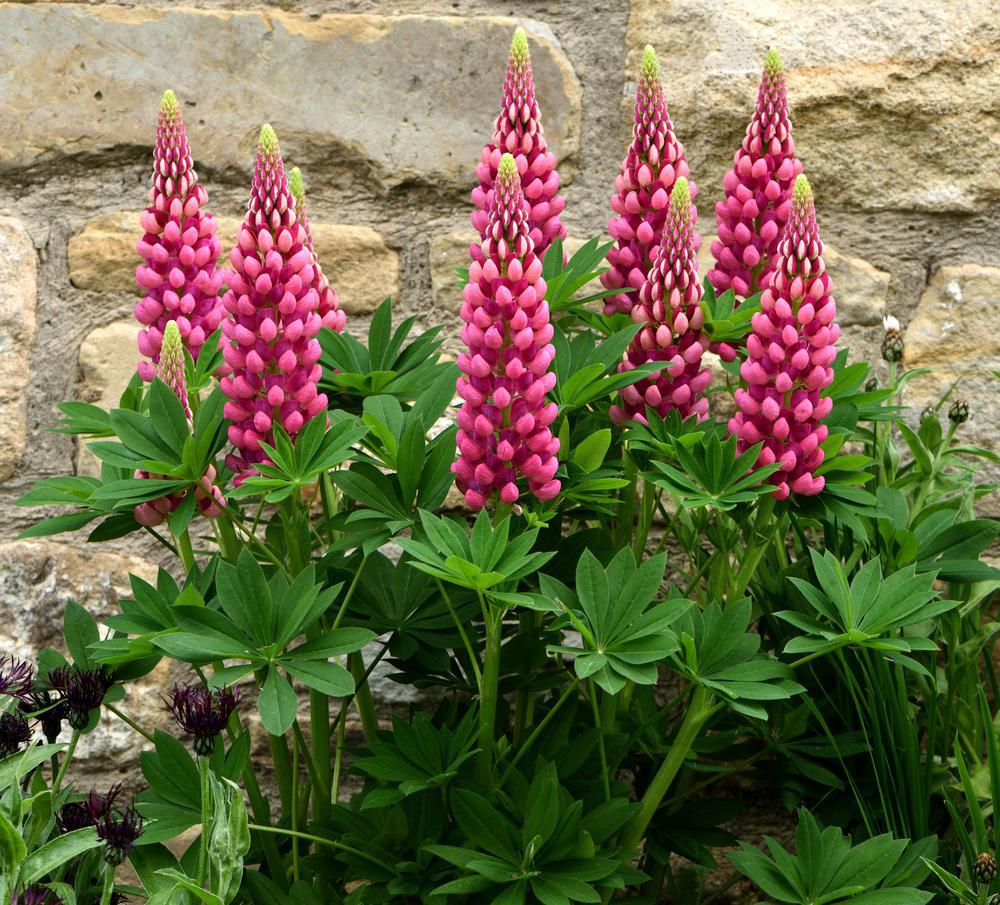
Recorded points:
(272,318)
(518,131)
(789,356)
(751,219)
(653,163)
(179,248)
(669,308)
(329,302)
(504,422)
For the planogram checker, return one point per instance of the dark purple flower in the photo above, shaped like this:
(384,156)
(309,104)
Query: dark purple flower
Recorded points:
(50,711)
(201,712)
(16,676)
(82,689)
(14,732)
(33,895)
(74,816)
(118,826)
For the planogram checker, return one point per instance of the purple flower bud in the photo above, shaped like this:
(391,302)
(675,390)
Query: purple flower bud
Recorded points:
(16,677)
(14,732)
(789,357)
(83,690)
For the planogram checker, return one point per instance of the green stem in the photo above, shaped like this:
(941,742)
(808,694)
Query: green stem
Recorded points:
(185,551)
(61,775)
(363,699)
(592,694)
(229,543)
(338,760)
(350,592)
(319,840)
(488,690)
(537,731)
(128,721)
(108,886)
(626,506)
(699,709)
(205,820)
(295,812)
(281,758)
(469,649)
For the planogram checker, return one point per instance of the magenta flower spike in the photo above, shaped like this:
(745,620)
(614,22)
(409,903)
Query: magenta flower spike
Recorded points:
(272,318)
(669,308)
(504,422)
(329,302)
(518,131)
(790,356)
(751,219)
(655,160)
(179,248)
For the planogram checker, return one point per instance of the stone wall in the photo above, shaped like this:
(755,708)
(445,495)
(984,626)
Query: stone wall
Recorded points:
(385,107)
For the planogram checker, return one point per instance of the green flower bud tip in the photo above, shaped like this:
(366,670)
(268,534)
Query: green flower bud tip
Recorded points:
(172,347)
(650,68)
(297,187)
(680,197)
(168,103)
(519,48)
(802,194)
(507,169)
(268,140)
(772,64)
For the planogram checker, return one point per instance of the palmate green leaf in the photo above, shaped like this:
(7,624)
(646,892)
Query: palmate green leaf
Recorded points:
(719,652)
(328,678)
(624,635)
(827,868)
(277,703)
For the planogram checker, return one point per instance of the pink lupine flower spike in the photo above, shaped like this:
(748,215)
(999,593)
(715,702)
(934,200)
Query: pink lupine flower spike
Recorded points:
(669,308)
(751,219)
(179,248)
(504,422)
(518,131)
(790,353)
(272,318)
(654,161)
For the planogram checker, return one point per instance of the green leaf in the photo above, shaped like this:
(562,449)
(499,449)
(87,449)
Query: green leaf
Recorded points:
(80,631)
(56,852)
(590,452)
(328,678)
(277,703)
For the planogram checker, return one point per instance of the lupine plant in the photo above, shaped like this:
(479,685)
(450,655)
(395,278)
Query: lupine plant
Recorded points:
(635,613)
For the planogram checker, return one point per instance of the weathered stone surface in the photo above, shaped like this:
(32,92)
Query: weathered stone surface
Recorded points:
(37,579)
(17,335)
(954,332)
(398,94)
(885,95)
(108,357)
(356,259)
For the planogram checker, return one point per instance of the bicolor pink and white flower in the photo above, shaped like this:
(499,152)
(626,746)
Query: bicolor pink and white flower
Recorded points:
(751,220)
(329,302)
(518,131)
(504,423)
(790,354)
(179,247)
(655,160)
(272,318)
(669,309)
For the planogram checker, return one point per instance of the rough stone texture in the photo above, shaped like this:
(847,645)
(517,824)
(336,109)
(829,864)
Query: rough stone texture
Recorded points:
(954,332)
(392,92)
(18,292)
(361,267)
